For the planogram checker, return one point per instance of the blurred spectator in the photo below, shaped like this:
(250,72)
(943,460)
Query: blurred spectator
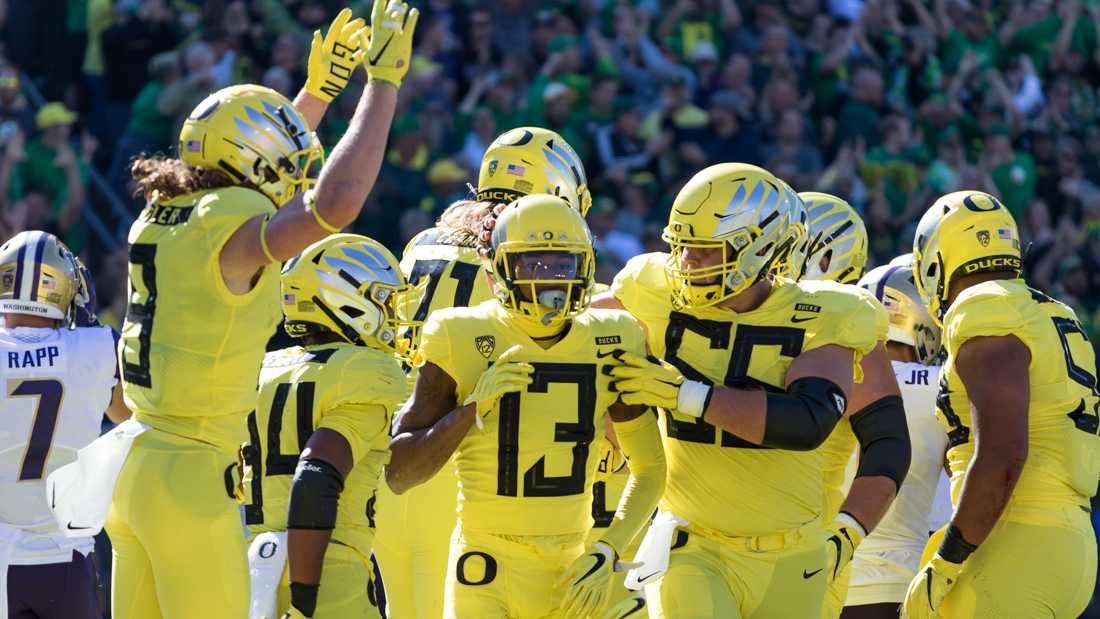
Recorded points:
(860,116)
(723,138)
(620,147)
(178,98)
(611,242)
(791,150)
(48,175)
(150,129)
(140,31)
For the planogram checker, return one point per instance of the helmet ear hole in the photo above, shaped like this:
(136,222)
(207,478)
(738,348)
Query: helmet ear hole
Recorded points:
(354,312)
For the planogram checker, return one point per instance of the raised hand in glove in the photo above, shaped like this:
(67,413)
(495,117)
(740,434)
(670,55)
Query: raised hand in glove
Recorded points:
(333,58)
(588,581)
(654,382)
(500,378)
(929,588)
(843,535)
(390,47)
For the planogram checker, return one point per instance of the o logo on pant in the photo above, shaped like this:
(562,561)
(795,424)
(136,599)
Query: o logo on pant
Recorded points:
(490,568)
(267,550)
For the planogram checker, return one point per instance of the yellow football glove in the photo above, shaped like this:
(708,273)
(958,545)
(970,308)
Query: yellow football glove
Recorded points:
(500,378)
(588,581)
(389,48)
(633,606)
(333,59)
(930,586)
(843,535)
(655,382)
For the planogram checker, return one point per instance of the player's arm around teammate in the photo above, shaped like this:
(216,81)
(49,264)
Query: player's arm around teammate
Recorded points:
(348,176)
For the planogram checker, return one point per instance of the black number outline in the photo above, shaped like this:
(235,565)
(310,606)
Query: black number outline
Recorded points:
(581,432)
(789,339)
(142,314)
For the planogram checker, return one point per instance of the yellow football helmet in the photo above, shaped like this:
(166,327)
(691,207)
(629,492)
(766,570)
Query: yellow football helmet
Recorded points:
(349,285)
(541,261)
(910,323)
(39,276)
(253,134)
(530,160)
(739,208)
(836,231)
(790,259)
(962,233)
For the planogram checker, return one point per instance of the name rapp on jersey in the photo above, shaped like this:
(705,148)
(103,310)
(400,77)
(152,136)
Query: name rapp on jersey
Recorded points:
(38,357)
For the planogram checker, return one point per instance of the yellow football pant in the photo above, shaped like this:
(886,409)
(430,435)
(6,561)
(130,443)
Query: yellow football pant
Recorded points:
(411,544)
(1027,570)
(178,537)
(709,575)
(493,576)
(836,594)
(345,579)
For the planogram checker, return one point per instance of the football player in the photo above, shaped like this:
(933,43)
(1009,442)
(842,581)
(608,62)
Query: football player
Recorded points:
(320,431)
(754,373)
(888,558)
(60,380)
(413,540)
(1018,399)
(204,299)
(836,250)
(515,388)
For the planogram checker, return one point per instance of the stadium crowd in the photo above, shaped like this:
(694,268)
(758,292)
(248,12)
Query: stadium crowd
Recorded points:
(886,103)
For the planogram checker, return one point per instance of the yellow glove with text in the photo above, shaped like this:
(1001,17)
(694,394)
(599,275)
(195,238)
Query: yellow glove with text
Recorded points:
(333,58)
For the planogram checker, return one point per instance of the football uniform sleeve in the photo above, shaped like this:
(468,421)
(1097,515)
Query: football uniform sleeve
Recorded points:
(435,345)
(858,322)
(643,290)
(980,311)
(221,213)
(371,390)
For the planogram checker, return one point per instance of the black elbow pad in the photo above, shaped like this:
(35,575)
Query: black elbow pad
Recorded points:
(883,436)
(314,496)
(803,416)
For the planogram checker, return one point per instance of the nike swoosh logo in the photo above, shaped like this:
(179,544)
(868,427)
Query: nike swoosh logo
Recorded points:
(647,576)
(602,355)
(72,528)
(808,575)
(639,604)
(797,319)
(600,560)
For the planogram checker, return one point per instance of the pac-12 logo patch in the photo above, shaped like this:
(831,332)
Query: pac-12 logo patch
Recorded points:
(486,344)
(983,237)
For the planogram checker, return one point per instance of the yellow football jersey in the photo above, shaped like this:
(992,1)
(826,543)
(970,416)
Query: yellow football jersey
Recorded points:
(842,442)
(191,350)
(444,275)
(352,390)
(1063,464)
(715,479)
(530,470)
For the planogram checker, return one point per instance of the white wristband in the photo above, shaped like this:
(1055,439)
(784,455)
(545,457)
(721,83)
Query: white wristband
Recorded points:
(692,398)
(850,521)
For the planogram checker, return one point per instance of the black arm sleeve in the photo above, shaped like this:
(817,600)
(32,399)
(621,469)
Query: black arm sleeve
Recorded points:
(314,496)
(883,436)
(803,416)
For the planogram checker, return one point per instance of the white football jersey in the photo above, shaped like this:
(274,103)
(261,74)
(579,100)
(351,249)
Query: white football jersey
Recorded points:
(57,385)
(902,534)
